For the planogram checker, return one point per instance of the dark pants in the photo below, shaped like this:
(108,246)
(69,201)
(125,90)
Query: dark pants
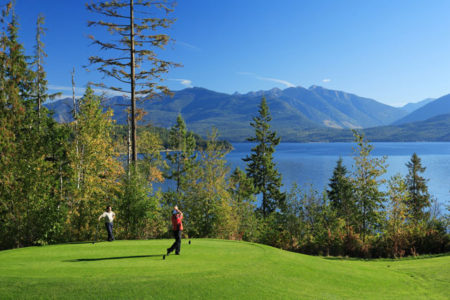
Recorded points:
(177,244)
(109,227)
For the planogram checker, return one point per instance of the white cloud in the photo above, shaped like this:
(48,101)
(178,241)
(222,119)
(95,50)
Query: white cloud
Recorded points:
(185,82)
(65,88)
(284,82)
(326,80)
(79,91)
(63,96)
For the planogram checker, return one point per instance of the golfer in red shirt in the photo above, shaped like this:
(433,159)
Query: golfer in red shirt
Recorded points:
(177,227)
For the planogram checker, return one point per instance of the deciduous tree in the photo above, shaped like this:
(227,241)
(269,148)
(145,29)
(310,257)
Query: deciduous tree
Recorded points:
(398,196)
(366,182)
(98,166)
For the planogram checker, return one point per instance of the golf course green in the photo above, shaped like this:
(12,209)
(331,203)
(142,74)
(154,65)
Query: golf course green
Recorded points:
(211,269)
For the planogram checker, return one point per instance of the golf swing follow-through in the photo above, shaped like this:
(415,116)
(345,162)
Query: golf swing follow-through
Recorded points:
(177,227)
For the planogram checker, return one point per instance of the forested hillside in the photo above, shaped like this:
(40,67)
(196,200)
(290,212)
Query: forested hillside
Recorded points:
(296,118)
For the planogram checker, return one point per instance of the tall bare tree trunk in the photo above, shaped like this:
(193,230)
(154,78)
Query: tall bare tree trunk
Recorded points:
(129,140)
(133,99)
(78,167)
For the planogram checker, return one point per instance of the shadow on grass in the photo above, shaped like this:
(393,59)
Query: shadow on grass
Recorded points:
(111,258)
(79,243)
(344,258)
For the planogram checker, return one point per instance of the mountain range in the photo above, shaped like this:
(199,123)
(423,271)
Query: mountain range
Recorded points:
(434,108)
(298,114)
(410,107)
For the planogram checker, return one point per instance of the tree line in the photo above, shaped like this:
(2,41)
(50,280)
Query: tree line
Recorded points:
(56,179)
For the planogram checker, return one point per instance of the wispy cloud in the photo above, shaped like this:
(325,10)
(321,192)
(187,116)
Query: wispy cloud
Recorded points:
(326,80)
(79,91)
(284,82)
(63,96)
(65,88)
(187,45)
(185,82)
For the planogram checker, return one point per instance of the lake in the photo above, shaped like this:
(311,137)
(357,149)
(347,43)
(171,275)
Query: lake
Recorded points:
(313,163)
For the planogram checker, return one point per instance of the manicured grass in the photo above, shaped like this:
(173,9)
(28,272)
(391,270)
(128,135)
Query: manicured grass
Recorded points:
(211,269)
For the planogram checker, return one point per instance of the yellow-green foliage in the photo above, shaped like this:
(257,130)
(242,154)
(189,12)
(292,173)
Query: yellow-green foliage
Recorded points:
(95,165)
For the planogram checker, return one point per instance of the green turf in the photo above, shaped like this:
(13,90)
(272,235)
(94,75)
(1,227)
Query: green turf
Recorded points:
(211,269)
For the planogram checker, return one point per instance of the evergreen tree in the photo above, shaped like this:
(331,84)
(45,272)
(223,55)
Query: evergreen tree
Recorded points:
(14,87)
(135,63)
(40,82)
(181,155)
(340,194)
(260,165)
(241,187)
(418,190)
(30,164)
(138,207)
(366,182)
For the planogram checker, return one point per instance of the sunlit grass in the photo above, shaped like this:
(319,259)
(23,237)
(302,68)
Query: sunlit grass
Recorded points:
(211,269)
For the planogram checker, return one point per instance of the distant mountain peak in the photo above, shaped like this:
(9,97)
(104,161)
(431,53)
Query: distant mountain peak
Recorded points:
(293,109)
(412,106)
(272,92)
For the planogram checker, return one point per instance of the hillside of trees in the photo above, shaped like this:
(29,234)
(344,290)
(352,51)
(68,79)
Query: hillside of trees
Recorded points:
(56,179)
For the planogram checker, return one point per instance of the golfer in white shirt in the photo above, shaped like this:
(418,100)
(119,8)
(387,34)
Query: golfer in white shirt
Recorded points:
(109,216)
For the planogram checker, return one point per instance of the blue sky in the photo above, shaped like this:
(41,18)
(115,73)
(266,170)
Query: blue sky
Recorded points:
(392,51)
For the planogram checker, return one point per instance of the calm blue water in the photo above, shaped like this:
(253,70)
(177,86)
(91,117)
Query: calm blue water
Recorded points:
(313,163)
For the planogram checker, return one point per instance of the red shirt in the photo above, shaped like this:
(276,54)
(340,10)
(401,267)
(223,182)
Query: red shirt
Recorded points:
(176,222)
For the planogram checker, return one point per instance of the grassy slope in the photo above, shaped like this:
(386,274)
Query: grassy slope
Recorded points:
(211,269)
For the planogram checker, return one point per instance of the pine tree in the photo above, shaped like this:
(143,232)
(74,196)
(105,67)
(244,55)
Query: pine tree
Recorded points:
(135,63)
(366,181)
(40,82)
(181,155)
(340,194)
(31,157)
(137,205)
(260,165)
(418,189)
(15,86)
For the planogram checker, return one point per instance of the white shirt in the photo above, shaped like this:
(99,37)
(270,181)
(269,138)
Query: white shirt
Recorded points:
(109,216)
